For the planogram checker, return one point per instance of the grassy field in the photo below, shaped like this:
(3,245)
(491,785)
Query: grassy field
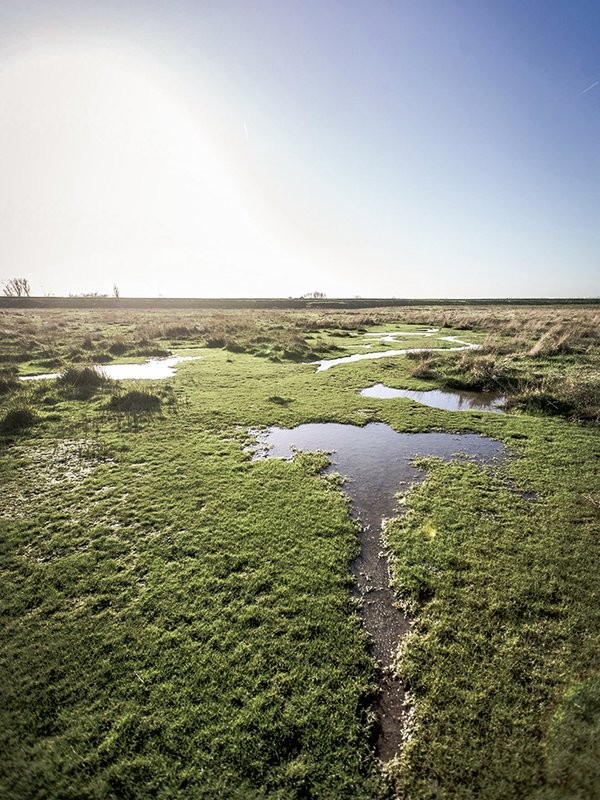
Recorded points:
(177,618)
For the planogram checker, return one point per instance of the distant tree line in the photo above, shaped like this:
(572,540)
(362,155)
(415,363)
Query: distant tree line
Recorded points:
(115,293)
(20,287)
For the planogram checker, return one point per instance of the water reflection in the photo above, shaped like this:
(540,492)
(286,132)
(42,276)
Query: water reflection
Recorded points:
(449,400)
(154,369)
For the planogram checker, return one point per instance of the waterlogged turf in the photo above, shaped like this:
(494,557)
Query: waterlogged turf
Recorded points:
(178,621)
(375,461)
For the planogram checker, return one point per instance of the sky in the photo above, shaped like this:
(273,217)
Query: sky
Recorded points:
(219,148)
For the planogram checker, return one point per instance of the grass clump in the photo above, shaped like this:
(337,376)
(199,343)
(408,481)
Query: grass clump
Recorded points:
(9,380)
(280,401)
(82,382)
(577,399)
(151,352)
(118,347)
(135,402)
(423,365)
(17,419)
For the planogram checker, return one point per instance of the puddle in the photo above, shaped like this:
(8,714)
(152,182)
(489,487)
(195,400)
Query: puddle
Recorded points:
(377,462)
(154,369)
(327,363)
(449,400)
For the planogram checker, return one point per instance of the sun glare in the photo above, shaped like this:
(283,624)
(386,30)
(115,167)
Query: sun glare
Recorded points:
(122,177)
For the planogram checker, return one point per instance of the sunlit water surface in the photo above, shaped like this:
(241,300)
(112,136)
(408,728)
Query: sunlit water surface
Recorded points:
(328,363)
(449,400)
(154,369)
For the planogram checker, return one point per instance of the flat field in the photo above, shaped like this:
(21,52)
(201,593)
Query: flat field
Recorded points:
(178,619)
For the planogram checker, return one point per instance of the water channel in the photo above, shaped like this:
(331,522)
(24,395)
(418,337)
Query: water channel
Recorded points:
(377,462)
(328,363)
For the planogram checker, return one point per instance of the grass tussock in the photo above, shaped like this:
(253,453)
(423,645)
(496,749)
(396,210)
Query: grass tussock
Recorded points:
(9,381)
(576,398)
(18,419)
(118,347)
(135,402)
(82,382)
(562,339)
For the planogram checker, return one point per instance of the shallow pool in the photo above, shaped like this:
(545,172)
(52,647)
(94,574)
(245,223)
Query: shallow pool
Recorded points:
(449,400)
(154,369)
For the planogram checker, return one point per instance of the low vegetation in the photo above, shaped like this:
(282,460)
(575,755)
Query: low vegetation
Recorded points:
(135,402)
(504,637)
(9,380)
(548,368)
(177,619)
(16,419)
(81,382)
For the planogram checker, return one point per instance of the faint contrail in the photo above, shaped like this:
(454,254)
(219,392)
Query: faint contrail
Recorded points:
(246,129)
(590,87)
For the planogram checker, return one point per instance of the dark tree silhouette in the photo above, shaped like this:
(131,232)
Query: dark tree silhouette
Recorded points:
(17,287)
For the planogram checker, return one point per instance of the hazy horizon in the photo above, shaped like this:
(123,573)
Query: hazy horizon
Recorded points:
(228,149)
(106,293)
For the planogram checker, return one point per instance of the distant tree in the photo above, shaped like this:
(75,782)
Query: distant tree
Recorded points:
(313,296)
(116,292)
(17,287)
(88,294)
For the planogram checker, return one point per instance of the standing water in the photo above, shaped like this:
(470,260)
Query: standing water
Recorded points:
(448,400)
(151,370)
(377,461)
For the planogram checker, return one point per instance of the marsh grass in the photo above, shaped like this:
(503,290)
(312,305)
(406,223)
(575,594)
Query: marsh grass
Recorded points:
(502,632)
(135,402)
(82,382)
(177,619)
(17,419)
(542,365)
(9,381)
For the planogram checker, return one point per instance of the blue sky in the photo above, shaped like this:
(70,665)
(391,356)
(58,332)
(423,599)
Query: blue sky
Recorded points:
(409,149)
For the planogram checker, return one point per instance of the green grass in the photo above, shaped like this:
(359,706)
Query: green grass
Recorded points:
(505,592)
(177,621)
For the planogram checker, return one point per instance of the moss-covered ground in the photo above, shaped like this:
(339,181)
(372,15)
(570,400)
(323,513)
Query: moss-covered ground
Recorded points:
(177,620)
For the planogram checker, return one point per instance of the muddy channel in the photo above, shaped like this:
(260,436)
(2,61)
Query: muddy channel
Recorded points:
(377,464)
